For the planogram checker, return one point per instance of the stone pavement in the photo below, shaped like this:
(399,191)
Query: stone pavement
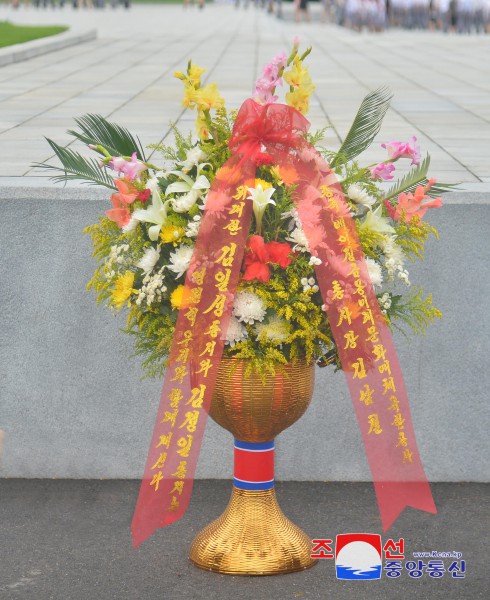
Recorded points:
(441,82)
(70,540)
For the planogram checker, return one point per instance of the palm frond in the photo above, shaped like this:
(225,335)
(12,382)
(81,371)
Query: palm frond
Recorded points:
(117,140)
(415,177)
(442,188)
(366,124)
(76,166)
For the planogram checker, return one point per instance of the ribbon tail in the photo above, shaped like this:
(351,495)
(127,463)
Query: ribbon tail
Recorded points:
(197,346)
(148,515)
(394,496)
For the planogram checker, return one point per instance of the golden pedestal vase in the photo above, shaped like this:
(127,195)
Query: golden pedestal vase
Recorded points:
(252,536)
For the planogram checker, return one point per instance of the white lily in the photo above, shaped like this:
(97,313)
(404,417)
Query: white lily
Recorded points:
(192,189)
(260,198)
(156,213)
(376,222)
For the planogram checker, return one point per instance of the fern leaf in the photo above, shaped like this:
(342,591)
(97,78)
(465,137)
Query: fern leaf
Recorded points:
(366,124)
(76,166)
(117,140)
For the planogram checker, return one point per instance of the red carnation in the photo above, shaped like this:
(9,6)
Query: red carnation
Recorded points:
(144,195)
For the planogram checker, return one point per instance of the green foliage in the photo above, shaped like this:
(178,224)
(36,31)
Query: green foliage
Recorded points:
(365,126)
(414,311)
(411,236)
(177,152)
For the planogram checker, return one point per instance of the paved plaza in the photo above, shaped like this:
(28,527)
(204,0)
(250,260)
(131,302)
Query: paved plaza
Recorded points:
(441,83)
(70,540)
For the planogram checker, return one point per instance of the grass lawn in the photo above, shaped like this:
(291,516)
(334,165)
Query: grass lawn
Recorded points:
(16,34)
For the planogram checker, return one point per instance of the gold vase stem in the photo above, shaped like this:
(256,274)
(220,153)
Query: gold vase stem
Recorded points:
(252,536)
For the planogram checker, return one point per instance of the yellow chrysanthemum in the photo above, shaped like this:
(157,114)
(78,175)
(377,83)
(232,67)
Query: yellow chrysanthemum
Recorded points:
(177,296)
(265,184)
(123,289)
(171,233)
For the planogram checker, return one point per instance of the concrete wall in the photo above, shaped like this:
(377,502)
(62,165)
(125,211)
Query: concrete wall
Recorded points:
(71,400)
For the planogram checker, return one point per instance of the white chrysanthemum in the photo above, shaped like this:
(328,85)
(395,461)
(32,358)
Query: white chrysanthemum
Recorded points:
(360,196)
(236,332)
(393,251)
(185,202)
(131,226)
(299,239)
(193,157)
(295,221)
(248,307)
(192,228)
(180,260)
(276,330)
(149,259)
(375,272)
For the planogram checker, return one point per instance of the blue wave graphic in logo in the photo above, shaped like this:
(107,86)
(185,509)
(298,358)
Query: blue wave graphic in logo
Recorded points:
(351,573)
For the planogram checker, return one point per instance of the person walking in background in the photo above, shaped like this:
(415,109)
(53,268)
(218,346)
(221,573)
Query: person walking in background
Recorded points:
(301,7)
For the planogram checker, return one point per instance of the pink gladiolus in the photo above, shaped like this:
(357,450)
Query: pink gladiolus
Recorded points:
(382,171)
(411,205)
(118,163)
(270,79)
(130,168)
(280,60)
(403,150)
(134,167)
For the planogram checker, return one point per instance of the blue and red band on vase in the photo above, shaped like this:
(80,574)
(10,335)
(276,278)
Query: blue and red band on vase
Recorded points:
(254,465)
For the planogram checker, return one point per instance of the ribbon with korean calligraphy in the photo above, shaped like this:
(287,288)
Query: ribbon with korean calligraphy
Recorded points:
(275,134)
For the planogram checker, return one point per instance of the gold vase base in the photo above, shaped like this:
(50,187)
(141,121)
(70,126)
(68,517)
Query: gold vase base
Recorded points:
(252,537)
